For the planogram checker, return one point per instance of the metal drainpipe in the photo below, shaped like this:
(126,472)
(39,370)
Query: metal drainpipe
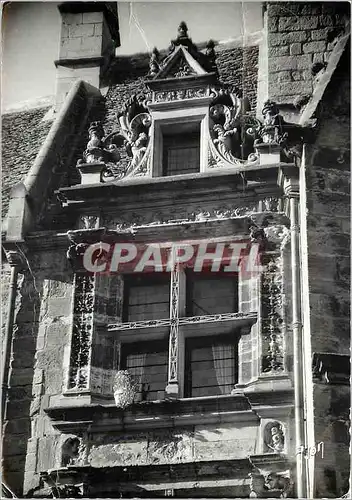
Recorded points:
(8,336)
(298,368)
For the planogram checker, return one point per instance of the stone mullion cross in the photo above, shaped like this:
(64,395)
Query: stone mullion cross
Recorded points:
(172,388)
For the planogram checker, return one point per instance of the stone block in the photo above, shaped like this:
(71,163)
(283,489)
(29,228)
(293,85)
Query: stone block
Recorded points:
(314,47)
(81,30)
(21,376)
(326,20)
(281,50)
(273,23)
(277,39)
(98,29)
(296,23)
(14,463)
(283,76)
(48,453)
(92,17)
(59,306)
(50,359)
(336,306)
(169,447)
(15,446)
(123,453)
(329,334)
(295,49)
(290,88)
(20,393)
(31,462)
(224,450)
(297,75)
(290,62)
(70,18)
(321,34)
(17,426)
(91,46)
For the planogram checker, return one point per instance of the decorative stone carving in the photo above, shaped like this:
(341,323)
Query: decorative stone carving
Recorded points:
(180,94)
(210,53)
(82,330)
(272,130)
(98,149)
(102,153)
(270,485)
(274,438)
(124,389)
(232,130)
(154,66)
(16,258)
(275,482)
(276,131)
(70,451)
(135,121)
(272,311)
(279,235)
(90,221)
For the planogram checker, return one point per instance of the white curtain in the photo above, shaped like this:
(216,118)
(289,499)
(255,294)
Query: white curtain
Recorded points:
(224,368)
(137,368)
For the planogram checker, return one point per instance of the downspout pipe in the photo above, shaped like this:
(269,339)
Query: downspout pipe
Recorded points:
(298,368)
(288,177)
(15,260)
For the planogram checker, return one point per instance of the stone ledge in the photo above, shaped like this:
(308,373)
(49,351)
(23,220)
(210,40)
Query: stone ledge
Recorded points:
(80,61)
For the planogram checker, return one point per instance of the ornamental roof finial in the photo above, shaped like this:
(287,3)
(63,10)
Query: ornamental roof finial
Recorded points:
(182,30)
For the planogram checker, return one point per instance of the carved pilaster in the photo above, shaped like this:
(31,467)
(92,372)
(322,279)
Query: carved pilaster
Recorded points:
(272,318)
(82,330)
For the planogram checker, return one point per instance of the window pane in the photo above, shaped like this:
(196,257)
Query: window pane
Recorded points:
(181,154)
(146,298)
(147,363)
(211,294)
(211,366)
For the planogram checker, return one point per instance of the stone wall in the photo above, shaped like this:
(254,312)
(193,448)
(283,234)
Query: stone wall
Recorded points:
(41,329)
(328,224)
(301,34)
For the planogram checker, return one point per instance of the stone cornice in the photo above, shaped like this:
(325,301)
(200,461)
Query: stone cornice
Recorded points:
(154,414)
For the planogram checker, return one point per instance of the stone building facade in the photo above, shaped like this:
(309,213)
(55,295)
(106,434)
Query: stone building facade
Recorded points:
(182,383)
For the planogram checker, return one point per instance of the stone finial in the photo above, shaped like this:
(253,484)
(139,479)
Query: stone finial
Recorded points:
(210,53)
(182,30)
(154,66)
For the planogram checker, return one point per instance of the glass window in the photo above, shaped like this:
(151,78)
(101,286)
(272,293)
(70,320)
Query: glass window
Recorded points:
(211,365)
(147,362)
(146,297)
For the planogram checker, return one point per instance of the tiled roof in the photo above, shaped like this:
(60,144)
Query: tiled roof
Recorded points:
(23,134)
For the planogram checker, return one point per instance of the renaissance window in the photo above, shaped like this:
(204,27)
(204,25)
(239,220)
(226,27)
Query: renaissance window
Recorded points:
(181,148)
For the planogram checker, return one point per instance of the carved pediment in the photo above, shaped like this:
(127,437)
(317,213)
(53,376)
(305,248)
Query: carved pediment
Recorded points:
(184,59)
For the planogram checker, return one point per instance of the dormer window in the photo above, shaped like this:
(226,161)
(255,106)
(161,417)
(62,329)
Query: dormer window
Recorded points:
(181,149)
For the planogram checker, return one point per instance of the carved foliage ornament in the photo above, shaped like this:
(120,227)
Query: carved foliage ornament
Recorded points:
(133,134)
(82,330)
(232,130)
